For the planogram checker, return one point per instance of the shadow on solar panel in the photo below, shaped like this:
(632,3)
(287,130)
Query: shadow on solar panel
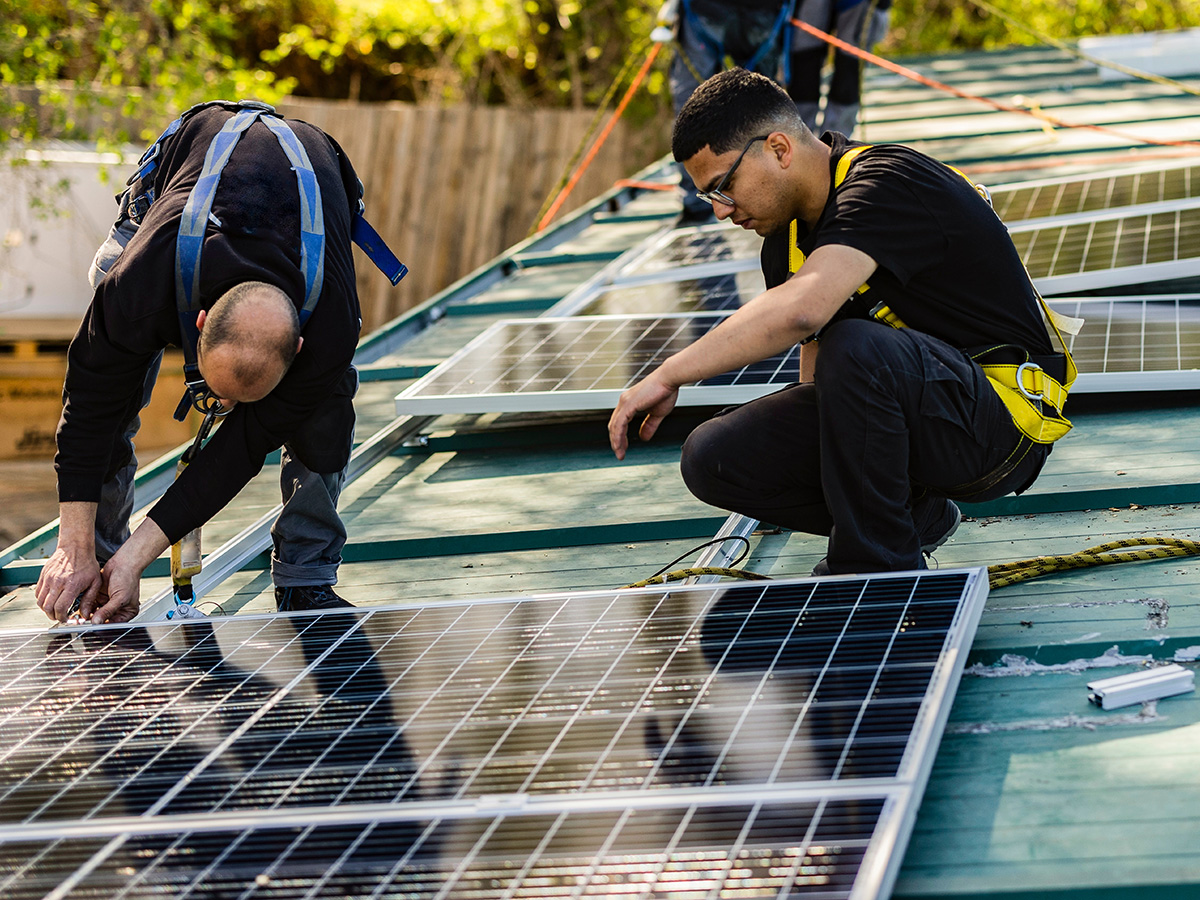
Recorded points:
(689,741)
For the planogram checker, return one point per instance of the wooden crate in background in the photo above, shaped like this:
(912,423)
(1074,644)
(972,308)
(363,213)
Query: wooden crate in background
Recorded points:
(33,362)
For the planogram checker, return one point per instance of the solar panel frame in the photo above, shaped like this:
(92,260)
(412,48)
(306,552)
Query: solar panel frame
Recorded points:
(893,610)
(1131,324)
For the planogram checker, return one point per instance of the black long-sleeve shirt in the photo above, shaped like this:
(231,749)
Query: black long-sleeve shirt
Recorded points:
(133,316)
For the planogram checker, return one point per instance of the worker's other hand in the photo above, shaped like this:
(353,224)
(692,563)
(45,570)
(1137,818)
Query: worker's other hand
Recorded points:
(72,571)
(652,396)
(120,596)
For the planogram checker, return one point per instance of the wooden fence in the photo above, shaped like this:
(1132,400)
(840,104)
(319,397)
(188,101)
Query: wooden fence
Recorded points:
(450,188)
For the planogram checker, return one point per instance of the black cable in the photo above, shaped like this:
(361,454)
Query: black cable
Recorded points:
(720,540)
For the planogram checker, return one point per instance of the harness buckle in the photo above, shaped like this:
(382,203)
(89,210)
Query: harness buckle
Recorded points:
(1033,367)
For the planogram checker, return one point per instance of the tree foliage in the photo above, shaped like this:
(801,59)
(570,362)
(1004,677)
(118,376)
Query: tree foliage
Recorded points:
(101,67)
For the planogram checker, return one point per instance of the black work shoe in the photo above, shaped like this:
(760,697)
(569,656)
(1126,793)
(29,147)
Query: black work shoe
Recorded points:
(312,596)
(939,525)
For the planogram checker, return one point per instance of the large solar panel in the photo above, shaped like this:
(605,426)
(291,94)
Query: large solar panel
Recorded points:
(766,739)
(1112,252)
(579,363)
(1091,194)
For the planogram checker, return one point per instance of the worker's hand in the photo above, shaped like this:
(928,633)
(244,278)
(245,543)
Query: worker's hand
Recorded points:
(653,396)
(120,596)
(70,572)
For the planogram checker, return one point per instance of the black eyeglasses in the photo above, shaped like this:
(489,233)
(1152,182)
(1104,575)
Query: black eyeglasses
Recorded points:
(718,193)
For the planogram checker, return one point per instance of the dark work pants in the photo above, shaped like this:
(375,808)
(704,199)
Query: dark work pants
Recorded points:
(895,422)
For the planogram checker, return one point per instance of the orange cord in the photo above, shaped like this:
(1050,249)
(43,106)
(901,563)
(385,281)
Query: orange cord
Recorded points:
(595,148)
(1005,107)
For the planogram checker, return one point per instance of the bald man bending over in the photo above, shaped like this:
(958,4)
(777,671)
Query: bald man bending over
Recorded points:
(283,386)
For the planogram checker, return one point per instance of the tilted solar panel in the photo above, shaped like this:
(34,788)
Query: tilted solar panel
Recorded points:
(684,252)
(519,365)
(1082,194)
(767,739)
(712,293)
(1112,252)
(523,365)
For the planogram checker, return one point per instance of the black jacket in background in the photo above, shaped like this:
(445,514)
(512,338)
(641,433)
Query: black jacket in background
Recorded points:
(133,316)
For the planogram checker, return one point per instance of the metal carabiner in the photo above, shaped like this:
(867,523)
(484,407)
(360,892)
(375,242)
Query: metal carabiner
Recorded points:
(1033,367)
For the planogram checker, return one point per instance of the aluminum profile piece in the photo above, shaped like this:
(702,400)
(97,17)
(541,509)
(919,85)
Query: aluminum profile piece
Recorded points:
(1138,687)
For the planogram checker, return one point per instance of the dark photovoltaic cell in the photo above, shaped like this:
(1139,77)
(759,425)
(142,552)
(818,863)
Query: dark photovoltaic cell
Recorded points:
(1090,193)
(1111,252)
(574,363)
(765,740)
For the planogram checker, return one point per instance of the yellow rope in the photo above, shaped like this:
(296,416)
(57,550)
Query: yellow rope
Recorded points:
(680,574)
(1004,574)
(1076,52)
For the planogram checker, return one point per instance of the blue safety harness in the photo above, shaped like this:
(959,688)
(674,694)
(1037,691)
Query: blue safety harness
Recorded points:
(197,213)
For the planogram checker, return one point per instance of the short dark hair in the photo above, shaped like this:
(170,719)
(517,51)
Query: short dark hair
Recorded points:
(222,327)
(729,109)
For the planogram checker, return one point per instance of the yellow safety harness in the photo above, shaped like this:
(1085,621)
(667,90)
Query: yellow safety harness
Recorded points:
(1033,397)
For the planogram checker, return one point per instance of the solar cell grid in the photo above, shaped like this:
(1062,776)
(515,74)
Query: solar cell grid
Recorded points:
(812,849)
(1021,202)
(585,707)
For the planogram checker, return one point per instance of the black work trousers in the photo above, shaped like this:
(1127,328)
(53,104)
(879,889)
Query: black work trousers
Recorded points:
(895,422)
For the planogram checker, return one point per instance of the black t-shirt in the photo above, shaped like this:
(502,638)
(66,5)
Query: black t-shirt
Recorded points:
(133,316)
(947,266)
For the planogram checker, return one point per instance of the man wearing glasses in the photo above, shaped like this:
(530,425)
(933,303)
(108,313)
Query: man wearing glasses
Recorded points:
(888,424)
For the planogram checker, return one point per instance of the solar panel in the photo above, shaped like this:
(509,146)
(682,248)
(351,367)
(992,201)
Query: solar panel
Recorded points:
(584,363)
(1112,252)
(765,739)
(709,294)
(1089,194)
(692,253)
(579,363)
(1136,343)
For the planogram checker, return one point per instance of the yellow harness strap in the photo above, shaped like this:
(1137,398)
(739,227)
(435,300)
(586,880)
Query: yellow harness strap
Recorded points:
(1033,397)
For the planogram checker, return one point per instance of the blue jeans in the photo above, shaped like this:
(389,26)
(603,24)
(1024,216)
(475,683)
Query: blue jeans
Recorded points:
(895,422)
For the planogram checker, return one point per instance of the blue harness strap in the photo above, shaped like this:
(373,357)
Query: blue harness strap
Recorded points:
(197,213)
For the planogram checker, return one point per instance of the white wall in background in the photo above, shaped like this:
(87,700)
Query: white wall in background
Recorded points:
(55,209)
